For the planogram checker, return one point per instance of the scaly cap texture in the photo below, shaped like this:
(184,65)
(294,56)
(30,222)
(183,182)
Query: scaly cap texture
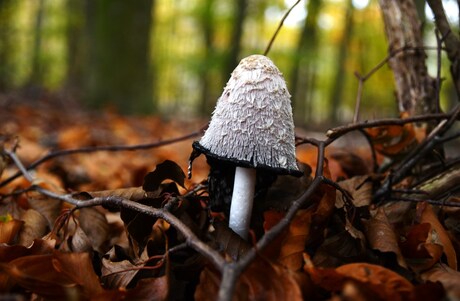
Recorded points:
(252,123)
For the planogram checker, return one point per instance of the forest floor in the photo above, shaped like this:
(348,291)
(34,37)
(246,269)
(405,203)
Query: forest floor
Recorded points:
(334,250)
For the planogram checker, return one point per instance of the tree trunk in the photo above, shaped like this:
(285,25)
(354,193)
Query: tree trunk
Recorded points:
(303,70)
(207,23)
(339,80)
(75,47)
(450,40)
(235,40)
(118,67)
(36,75)
(415,89)
(6,45)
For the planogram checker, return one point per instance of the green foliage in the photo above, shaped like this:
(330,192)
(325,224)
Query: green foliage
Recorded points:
(189,50)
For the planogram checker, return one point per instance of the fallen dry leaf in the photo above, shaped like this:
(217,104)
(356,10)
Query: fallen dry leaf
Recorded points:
(94,223)
(393,140)
(384,283)
(295,240)
(35,226)
(262,280)
(55,276)
(9,230)
(419,250)
(381,235)
(438,232)
(351,164)
(360,189)
(448,277)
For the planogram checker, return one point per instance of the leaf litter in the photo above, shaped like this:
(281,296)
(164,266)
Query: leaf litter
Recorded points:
(340,248)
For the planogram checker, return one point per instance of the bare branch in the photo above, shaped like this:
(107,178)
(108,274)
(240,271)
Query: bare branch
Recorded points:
(341,130)
(191,239)
(416,154)
(269,46)
(451,41)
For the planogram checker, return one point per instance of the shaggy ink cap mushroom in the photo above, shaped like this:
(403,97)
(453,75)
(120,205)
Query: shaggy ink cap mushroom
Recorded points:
(252,127)
(252,124)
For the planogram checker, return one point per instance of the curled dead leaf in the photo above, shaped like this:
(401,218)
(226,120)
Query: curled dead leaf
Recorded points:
(48,207)
(350,164)
(35,226)
(262,280)
(56,275)
(448,277)
(96,228)
(118,274)
(383,283)
(438,232)
(381,235)
(419,250)
(9,230)
(386,283)
(360,189)
(294,241)
(228,241)
(393,140)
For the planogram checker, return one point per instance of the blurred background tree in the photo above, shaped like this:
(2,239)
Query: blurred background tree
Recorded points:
(174,57)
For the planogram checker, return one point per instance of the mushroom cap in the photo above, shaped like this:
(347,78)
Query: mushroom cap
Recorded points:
(252,122)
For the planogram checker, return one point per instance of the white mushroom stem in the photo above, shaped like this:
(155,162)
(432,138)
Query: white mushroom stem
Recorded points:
(242,200)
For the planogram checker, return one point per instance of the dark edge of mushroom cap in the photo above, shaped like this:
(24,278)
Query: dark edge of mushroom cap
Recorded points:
(243,163)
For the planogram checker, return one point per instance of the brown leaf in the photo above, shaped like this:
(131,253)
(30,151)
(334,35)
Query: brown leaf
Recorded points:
(293,244)
(360,189)
(287,189)
(9,253)
(39,247)
(419,250)
(430,291)
(35,226)
(77,242)
(55,276)
(95,226)
(326,203)
(229,241)
(118,274)
(79,269)
(271,218)
(448,277)
(49,208)
(381,235)
(439,233)
(3,158)
(393,140)
(150,289)
(339,248)
(351,164)
(163,171)
(262,280)
(384,283)
(9,230)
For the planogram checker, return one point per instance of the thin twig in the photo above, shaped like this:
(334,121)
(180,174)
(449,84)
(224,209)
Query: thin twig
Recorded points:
(106,148)
(341,130)
(358,97)
(450,40)
(269,46)
(430,201)
(417,154)
(191,239)
(363,78)
(439,41)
